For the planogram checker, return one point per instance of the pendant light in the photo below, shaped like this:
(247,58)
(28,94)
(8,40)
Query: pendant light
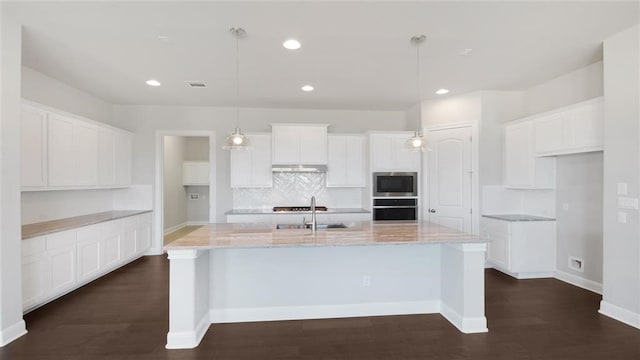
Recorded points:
(416,142)
(237,140)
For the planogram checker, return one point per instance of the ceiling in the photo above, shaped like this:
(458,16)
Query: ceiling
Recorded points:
(356,54)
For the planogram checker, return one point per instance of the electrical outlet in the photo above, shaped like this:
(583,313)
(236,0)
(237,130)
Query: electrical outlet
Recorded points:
(366,281)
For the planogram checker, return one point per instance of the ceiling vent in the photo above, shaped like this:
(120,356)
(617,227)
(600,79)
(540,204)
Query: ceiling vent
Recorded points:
(196,84)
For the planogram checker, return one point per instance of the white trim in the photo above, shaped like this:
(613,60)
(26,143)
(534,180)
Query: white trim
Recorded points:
(276,313)
(175,228)
(522,275)
(468,325)
(188,339)
(578,281)
(12,332)
(195,223)
(615,312)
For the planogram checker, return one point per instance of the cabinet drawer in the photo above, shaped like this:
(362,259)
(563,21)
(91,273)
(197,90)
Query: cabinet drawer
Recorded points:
(61,240)
(33,246)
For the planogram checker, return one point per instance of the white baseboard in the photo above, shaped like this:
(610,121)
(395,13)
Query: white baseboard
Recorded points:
(468,325)
(523,275)
(615,312)
(12,332)
(174,228)
(323,311)
(199,223)
(188,339)
(579,281)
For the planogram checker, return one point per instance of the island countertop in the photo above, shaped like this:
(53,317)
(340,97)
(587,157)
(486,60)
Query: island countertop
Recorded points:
(359,233)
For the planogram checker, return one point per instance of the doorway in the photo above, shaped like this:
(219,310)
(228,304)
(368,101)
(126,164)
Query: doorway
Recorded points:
(449,175)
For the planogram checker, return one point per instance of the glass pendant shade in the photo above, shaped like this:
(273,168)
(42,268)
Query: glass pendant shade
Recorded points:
(236,141)
(416,142)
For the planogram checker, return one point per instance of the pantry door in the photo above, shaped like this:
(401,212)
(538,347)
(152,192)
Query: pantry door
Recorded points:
(449,178)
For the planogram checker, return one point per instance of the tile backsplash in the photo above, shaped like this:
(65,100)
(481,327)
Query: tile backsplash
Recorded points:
(296,189)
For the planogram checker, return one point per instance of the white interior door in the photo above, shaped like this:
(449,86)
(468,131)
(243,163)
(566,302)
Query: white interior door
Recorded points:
(449,178)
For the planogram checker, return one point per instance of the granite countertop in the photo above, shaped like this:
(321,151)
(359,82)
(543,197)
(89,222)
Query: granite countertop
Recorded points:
(271,212)
(48,227)
(358,233)
(518,217)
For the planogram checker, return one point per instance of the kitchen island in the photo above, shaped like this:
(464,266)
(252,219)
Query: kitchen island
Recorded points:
(255,272)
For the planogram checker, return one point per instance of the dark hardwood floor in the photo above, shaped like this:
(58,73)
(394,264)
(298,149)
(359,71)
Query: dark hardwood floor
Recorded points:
(124,316)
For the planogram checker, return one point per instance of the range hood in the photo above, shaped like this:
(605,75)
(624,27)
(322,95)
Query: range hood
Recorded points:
(300,168)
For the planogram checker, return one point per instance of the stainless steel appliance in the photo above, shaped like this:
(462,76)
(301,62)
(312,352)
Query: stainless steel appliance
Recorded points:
(395,209)
(395,184)
(297,208)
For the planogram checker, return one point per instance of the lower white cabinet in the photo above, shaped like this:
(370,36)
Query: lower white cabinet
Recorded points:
(522,249)
(55,264)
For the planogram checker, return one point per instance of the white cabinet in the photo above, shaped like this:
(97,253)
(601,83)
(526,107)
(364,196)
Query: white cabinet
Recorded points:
(522,169)
(346,164)
(33,141)
(60,151)
(576,129)
(55,264)
(195,173)
(522,249)
(389,153)
(299,144)
(251,168)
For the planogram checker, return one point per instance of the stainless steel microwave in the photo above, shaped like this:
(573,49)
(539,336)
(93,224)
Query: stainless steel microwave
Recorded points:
(395,184)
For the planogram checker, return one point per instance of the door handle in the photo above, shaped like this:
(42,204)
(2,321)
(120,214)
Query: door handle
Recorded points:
(433,211)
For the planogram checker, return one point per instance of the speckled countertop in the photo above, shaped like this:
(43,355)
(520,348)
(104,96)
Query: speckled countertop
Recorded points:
(48,227)
(271,212)
(518,217)
(358,233)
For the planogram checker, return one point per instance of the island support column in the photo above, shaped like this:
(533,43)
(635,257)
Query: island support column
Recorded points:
(462,287)
(188,298)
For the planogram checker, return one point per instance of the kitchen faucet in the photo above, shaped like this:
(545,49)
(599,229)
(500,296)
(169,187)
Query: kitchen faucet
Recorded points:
(314,224)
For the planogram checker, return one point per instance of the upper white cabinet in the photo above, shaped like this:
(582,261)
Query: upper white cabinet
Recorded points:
(195,173)
(522,169)
(346,164)
(389,153)
(251,168)
(33,142)
(299,144)
(576,129)
(61,151)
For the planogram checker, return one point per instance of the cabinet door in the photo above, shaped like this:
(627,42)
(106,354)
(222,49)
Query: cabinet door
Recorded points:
(549,133)
(86,153)
(122,153)
(129,244)
(382,153)
(34,279)
(195,173)
(337,161)
(313,144)
(404,159)
(107,172)
(497,233)
(111,251)
(241,167)
(261,174)
(33,145)
(89,252)
(62,269)
(285,145)
(60,151)
(143,238)
(518,155)
(585,127)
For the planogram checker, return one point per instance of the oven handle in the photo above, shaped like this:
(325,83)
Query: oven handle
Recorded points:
(395,207)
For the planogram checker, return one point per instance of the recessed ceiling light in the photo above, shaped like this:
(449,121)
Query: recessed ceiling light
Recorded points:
(153,82)
(163,38)
(292,44)
(307,88)
(442,91)
(465,52)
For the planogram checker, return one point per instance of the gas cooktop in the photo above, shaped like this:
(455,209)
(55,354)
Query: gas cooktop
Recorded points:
(297,208)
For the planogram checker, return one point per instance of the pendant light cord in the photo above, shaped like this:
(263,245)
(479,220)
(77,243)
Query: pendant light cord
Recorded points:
(237,33)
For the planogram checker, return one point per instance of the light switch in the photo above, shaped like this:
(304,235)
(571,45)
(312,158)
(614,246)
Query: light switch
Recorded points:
(627,203)
(622,188)
(622,217)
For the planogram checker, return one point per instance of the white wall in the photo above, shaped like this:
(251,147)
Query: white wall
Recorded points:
(621,269)
(11,322)
(197,149)
(583,84)
(579,228)
(144,121)
(175,195)
(48,91)
(49,205)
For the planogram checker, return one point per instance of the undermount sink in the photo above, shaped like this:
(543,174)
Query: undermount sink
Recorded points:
(308,226)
